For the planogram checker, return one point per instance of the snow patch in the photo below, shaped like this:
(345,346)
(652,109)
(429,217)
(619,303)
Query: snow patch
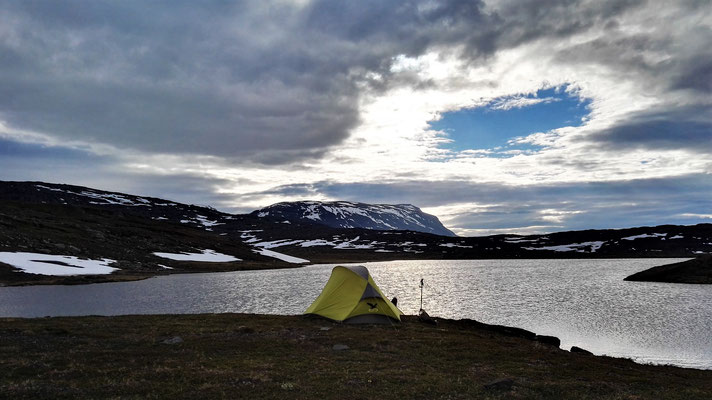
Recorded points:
(113,199)
(203,220)
(277,243)
(47,264)
(280,256)
(578,247)
(317,242)
(645,235)
(451,245)
(204,256)
(351,244)
(518,240)
(51,188)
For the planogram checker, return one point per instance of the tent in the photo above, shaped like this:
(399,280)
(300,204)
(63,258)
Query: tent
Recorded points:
(352,296)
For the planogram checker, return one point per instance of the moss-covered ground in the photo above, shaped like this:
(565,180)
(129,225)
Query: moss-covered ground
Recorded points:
(259,356)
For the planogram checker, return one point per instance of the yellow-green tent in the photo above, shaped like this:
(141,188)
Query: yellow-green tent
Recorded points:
(352,296)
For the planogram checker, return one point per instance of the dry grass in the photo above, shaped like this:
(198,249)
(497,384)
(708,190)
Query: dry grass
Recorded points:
(257,356)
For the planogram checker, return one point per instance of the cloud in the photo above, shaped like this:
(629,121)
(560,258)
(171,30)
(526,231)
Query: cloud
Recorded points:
(688,128)
(171,78)
(520,102)
(235,79)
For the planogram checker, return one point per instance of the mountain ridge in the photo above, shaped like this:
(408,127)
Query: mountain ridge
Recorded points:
(81,222)
(349,214)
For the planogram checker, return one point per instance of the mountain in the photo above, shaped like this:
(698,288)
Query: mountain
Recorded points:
(65,223)
(345,214)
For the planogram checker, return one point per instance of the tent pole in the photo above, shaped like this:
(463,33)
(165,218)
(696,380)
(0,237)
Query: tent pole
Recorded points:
(421,294)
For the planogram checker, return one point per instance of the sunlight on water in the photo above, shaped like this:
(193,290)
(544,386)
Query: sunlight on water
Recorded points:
(583,302)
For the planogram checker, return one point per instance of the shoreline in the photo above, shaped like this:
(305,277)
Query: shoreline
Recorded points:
(12,277)
(270,356)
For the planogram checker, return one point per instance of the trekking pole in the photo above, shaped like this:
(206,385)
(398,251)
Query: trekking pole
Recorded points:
(421,293)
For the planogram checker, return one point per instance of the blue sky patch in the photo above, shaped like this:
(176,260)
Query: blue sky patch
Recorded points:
(492,126)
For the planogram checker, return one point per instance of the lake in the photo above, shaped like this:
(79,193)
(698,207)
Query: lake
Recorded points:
(583,302)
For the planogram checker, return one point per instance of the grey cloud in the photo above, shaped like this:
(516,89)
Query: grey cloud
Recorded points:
(268,82)
(695,74)
(166,77)
(689,128)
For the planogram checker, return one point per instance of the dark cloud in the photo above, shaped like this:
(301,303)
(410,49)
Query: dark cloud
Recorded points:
(171,77)
(684,128)
(237,79)
(695,74)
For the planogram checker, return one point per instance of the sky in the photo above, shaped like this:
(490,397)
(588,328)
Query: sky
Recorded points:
(503,116)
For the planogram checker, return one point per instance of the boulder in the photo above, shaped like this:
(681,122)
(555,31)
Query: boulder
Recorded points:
(504,384)
(576,349)
(173,340)
(551,340)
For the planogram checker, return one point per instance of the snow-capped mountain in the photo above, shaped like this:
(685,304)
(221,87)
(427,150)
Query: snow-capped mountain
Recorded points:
(345,214)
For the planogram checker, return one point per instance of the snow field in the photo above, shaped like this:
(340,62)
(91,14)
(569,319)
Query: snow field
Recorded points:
(57,265)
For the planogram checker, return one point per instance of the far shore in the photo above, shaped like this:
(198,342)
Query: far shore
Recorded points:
(695,271)
(13,277)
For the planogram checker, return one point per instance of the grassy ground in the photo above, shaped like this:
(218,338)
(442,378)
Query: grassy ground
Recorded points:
(256,356)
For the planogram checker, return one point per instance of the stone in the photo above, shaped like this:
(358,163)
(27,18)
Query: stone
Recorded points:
(173,340)
(576,349)
(551,340)
(340,347)
(504,384)
(244,329)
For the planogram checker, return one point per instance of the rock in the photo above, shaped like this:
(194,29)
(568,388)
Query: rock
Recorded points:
(424,317)
(504,384)
(173,340)
(324,328)
(505,330)
(244,329)
(340,347)
(576,349)
(551,340)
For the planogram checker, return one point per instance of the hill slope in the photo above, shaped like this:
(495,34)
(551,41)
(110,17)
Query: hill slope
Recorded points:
(73,221)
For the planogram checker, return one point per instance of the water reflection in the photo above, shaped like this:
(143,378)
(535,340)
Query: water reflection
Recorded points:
(583,302)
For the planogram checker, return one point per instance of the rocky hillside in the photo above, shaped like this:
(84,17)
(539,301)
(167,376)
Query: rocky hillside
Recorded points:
(345,214)
(72,221)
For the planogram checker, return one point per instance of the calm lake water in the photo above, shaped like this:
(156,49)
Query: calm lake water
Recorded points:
(583,302)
